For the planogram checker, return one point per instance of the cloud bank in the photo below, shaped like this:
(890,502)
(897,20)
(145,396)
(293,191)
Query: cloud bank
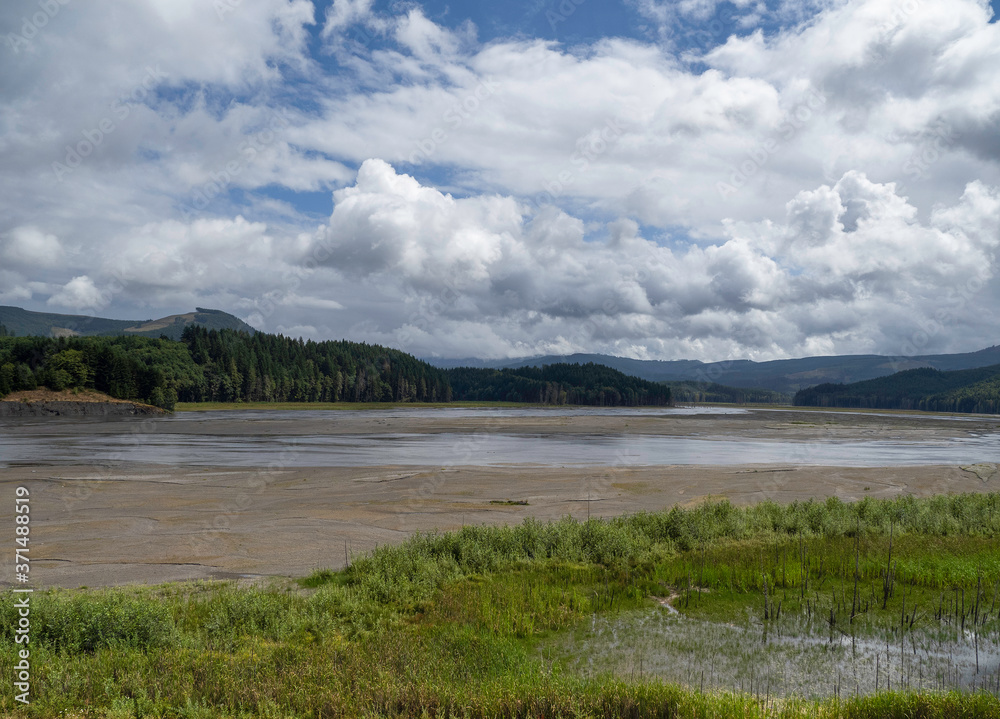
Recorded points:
(825,182)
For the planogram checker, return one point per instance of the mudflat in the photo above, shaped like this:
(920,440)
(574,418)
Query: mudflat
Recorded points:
(788,425)
(99,525)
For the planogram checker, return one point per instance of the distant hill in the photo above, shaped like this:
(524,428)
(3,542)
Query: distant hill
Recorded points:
(714,393)
(786,376)
(971,390)
(586,384)
(22,323)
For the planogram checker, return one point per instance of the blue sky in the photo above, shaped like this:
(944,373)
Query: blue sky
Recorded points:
(700,179)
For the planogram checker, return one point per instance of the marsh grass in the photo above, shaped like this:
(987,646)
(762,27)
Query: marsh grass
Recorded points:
(461,623)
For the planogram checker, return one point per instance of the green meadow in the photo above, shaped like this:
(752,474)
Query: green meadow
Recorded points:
(712,611)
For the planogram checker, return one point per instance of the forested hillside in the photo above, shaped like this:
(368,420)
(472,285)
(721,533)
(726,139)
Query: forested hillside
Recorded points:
(712,392)
(970,390)
(132,368)
(271,368)
(588,384)
(224,366)
(229,366)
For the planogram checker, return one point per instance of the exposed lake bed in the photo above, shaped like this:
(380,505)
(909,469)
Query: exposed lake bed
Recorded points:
(199,495)
(483,437)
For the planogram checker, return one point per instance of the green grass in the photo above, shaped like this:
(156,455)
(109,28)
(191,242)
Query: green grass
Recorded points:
(458,623)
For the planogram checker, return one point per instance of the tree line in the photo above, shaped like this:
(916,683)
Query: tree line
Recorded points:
(219,365)
(236,366)
(232,366)
(970,390)
(586,384)
(132,368)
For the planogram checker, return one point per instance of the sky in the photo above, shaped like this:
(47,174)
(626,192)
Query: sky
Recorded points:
(702,179)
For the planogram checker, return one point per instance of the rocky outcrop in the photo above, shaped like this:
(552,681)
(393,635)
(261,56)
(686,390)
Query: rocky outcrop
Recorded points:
(46,408)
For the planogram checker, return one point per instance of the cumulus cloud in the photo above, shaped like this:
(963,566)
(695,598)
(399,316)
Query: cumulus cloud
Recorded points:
(826,182)
(850,268)
(776,112)
(80,293)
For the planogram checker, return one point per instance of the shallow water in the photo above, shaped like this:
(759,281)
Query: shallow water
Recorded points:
(202,439)
(802,659)
(449,449)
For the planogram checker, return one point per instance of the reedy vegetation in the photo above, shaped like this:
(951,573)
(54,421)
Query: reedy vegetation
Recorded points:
(445,623)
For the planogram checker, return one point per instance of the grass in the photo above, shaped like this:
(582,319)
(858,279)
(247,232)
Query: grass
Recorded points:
(463,623)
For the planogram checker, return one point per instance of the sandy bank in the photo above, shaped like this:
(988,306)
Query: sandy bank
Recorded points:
(82,403)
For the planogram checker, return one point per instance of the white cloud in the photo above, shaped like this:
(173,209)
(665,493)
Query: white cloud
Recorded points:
(80,293)
(318,303)
(30,248)
(682,133)
(344,13)
(851,268)
(13,288)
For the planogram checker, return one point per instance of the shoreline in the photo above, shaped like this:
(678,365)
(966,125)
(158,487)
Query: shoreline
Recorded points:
(184,407)
(789,425)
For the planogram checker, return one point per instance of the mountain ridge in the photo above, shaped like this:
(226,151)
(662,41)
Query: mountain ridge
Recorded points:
(23,322)
(784,375)
(969,390)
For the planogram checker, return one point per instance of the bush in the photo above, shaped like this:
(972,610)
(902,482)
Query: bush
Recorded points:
(89,622)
